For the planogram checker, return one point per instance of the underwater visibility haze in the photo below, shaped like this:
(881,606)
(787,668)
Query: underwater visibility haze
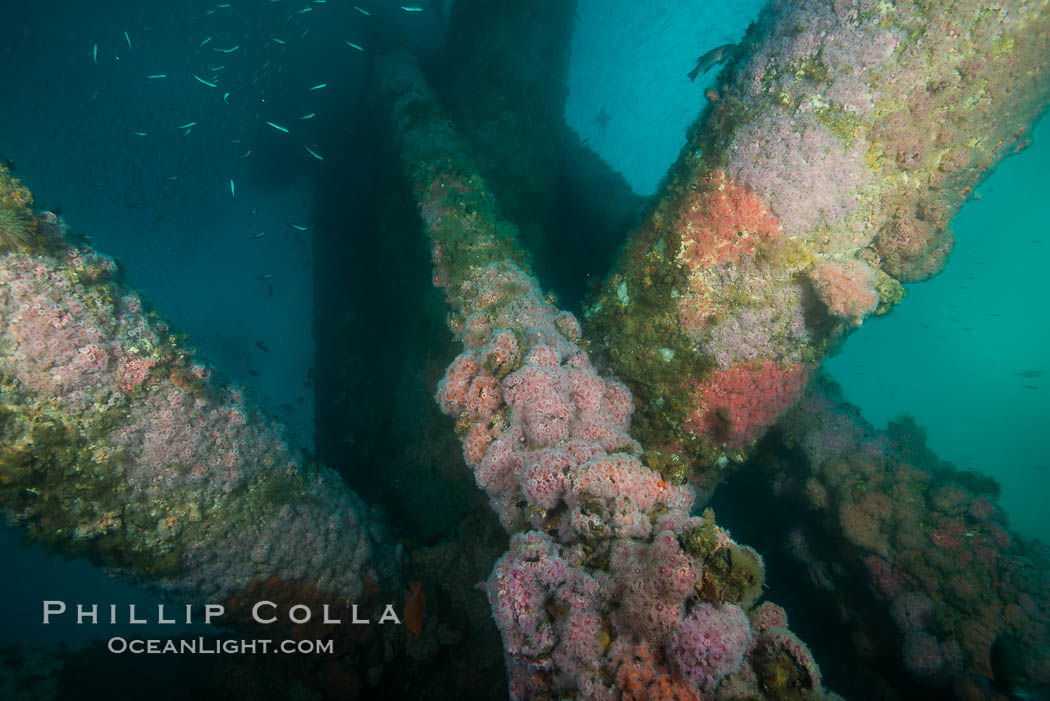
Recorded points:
(531,349)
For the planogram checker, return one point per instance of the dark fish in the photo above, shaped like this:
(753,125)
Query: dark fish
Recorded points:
(1041,468)
(954,318)
(254,374)
(712,58)
(603,119)
(924,326)
(269,291)
(262,346)
(1030,374)
(265,276)
(1008,658)
(1031,387)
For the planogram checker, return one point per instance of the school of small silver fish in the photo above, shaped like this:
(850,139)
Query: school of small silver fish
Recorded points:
(262,42)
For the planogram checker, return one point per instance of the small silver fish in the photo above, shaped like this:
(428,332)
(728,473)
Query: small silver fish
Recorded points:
(156,76)
(319,86)
(363,11)
(356,46)
(233,190)
(127,39)
(313,153)
(94,53)
(202,80)
(278,127)
(311,115)
(298,227)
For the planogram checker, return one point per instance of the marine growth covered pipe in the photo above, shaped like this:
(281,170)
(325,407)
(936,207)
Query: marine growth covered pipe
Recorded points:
(838,144)
(118,443)
(610,589)
(920,556)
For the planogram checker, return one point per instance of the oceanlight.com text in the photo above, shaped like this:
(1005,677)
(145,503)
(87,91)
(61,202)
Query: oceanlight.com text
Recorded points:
(211,646)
